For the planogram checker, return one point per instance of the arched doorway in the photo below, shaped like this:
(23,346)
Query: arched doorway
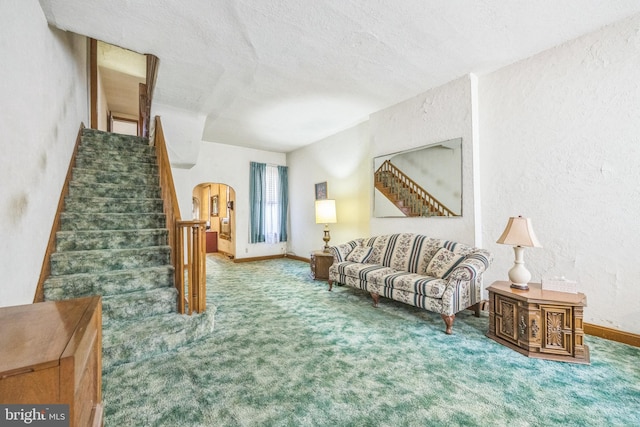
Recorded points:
(214,203)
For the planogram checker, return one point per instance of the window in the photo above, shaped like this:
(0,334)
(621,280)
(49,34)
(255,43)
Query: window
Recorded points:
(269,203)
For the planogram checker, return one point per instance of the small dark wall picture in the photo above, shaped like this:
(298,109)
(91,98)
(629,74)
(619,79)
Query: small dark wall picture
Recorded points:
(321,191)
(214,206)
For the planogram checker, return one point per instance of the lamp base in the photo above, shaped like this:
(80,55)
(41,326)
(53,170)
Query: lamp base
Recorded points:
(326,238)
(519,275)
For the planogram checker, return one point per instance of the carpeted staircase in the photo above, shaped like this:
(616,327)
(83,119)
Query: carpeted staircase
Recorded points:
(113,242)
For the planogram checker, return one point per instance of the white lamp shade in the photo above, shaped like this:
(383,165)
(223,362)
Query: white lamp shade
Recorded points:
(519,233)
(325,211)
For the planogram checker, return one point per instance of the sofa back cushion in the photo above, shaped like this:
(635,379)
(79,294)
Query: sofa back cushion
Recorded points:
(403,251)
(409,252)
(360,254)
(443,263)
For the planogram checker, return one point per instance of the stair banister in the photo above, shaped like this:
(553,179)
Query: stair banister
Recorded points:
(186,238)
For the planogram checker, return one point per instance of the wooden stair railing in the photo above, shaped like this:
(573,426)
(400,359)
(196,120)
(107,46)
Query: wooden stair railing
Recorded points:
(191,246)
(406,194)
(186,238)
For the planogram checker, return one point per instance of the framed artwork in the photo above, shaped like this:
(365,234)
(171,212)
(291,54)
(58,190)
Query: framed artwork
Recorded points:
(215,210)
(321,190)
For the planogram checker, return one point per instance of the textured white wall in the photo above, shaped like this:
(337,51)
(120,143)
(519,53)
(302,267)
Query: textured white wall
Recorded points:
(561,144)
(182,131)
(225,164)
(437,115)
(43,99)
(344,162)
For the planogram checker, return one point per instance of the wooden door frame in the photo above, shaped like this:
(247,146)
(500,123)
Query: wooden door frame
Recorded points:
(93,83)
(146,89)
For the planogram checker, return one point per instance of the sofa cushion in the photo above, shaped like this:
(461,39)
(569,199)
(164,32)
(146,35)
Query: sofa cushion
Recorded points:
(443,263)
(360,254)
(340,252)
(365,272)
(415,283)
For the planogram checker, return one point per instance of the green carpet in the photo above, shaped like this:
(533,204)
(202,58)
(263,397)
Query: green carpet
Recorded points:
(285,352)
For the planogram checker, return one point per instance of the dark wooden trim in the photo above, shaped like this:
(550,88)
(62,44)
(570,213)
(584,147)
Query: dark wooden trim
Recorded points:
(45,270)
(612,334)
(298,258)
(146,94)
(143,113)
(93,82)
(263,258)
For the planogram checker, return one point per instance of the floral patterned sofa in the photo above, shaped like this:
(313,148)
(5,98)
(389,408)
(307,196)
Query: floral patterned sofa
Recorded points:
(438,275)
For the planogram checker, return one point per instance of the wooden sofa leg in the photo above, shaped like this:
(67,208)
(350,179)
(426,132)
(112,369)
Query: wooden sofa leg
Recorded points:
(330,285)
(376,298)
(448,320)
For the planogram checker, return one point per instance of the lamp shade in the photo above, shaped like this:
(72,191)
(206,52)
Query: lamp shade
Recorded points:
(325,211)
(519,233)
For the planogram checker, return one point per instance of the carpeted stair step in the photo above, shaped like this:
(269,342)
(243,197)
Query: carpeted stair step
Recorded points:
(100,176)
(139,304)
(90,156)
(128,341)
(114,190)
(109,138)
(119,144)
(112,205)
(124,167)
(108,283)
(97,261)
(85,240)
(111,221)
(134,154)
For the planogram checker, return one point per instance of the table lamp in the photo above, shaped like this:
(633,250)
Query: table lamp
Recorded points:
(326,214)
(519,233)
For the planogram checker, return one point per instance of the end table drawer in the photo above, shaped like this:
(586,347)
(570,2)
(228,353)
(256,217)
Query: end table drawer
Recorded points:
(506,316)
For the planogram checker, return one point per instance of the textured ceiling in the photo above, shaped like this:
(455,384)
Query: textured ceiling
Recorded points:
(281,74)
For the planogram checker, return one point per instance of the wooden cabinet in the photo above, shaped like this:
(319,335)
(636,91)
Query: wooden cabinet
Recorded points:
(320,262)
(538,323)
(51,353)
(212,241)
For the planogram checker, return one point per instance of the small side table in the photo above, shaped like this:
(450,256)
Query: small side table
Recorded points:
(538,323)
(320,262)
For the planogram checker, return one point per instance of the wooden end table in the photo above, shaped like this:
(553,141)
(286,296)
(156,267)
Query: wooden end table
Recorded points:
(538,323)
(320,262)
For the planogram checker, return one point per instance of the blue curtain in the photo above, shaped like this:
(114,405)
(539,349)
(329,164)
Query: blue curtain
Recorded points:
(283,176)
(257,190)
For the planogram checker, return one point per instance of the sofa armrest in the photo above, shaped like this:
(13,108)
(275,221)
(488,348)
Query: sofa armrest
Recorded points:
(340,252)
(464,283)
(472,266)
